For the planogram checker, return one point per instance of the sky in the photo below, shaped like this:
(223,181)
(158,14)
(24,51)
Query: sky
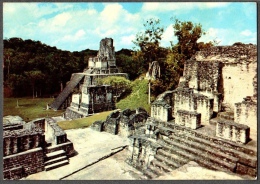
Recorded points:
(78,26)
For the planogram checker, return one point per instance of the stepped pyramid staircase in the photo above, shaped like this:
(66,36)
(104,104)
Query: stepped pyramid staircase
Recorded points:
(75,79)
(184,145)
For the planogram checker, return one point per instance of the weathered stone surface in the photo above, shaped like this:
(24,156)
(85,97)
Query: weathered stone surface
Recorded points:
(246,113)
(105,62)
(245,170)
(188,119)
(23,164)
(84,83)
(232,131)
(154,71)
(24,149)
(237,70)
(141,152)
(124,123)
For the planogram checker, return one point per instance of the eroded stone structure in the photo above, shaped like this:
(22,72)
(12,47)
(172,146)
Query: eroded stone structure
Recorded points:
(89,97)
(125,123)
(154,71)
(33,147)
(206,119)
(214,80)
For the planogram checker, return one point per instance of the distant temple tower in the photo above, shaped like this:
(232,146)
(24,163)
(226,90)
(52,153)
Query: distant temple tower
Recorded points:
(83,95)
(105,62)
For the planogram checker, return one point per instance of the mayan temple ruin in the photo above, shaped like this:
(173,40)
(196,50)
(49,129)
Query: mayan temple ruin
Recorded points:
(210,118)
(32,147)
(82,95)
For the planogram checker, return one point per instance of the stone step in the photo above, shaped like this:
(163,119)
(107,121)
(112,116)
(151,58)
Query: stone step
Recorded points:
(55,154)
(56,165)
(212,141)
(75,79)
(173,157)
(156,170)
(203,154)
(227,151)
(203,158)
(226,115)
(161,165)
(168,162)
(207,149)
(55,160)
(193,157)
(150,174)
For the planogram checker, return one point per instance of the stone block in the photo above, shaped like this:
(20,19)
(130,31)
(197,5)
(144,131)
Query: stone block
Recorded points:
(232,131)
(188,119)
(246,170)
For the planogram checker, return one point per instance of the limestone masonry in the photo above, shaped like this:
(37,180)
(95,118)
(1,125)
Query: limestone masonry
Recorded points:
(89,97)
(210,118)
(33,147)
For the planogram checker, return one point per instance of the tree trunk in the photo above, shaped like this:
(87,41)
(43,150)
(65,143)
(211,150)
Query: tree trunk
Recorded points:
(33,91)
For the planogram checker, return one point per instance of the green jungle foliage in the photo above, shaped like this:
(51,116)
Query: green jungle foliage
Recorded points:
(121,85)
(137,98)
(32,68)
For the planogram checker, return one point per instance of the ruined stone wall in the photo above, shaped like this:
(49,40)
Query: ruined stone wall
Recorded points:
(161,111)
(125,123)
(92,99)
(106,49)
(40,123)
(105,58)
(75,100)
(22,164)
(21,140)
(97,99)
(12,127)
(186,99)
(13,123)
(202,75)
(141,152)
(238,81)
(54,134)
(204,106)
(183,100)
(246,113)
(22,151)
(238,65)
(204,78)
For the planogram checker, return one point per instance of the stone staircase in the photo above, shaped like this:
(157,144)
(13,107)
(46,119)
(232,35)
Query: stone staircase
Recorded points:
(184,145)
(75,79)
(228,115)
(55,159)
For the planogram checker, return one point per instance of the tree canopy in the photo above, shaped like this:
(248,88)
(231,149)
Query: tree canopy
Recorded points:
(32,67)
(25,59)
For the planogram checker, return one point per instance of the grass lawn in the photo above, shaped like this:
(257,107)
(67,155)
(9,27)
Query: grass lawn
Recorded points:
(84,122)
(29,108)
(138,97)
